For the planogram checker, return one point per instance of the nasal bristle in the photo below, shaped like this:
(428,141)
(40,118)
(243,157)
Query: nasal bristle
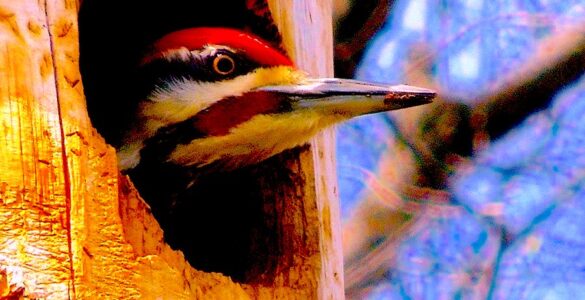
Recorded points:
(197,38)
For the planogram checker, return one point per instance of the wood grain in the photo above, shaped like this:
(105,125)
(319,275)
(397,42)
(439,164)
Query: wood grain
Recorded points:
(307,36)
(72,227)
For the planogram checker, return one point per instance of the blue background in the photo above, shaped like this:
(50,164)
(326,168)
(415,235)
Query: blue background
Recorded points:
(516,222)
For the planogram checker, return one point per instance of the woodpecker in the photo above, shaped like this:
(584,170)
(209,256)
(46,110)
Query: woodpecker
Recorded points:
(224,98)
(213,100)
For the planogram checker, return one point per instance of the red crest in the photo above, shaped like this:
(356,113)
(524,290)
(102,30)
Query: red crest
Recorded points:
(197,38)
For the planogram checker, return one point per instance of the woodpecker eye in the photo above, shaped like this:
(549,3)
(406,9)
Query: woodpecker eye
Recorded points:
(223,64)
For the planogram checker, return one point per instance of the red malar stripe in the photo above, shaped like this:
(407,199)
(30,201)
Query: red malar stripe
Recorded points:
(228,113)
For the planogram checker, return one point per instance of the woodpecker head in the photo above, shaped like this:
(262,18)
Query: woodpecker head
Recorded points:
(222,97)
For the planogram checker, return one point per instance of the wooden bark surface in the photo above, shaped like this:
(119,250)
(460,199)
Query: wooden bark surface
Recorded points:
(72,227)
(306,27)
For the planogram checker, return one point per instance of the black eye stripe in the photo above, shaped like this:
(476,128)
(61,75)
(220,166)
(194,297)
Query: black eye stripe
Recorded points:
(158,73)
(241,64)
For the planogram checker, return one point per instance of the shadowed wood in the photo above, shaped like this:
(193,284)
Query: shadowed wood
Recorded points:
(72,227)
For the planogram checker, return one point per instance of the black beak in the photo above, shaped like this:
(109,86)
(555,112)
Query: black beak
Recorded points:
(350,97)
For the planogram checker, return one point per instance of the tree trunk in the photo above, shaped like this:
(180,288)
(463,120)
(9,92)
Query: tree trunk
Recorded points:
(72,227)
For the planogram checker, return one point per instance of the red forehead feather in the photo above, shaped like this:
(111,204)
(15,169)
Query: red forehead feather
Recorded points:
(196,38)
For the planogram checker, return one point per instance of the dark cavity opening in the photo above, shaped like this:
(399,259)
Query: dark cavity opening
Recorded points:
(231,222)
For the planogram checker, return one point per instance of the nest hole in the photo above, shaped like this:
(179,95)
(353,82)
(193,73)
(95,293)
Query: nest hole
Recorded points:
(233,225)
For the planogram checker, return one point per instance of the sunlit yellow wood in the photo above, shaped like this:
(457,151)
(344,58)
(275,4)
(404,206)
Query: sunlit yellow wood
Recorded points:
(72,227)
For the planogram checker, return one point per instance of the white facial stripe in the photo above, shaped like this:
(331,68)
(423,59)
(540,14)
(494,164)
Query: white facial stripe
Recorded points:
(185,98)
(185,54)
(210,49)
(178,54)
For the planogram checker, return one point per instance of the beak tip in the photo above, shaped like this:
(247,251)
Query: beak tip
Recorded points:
(403,96)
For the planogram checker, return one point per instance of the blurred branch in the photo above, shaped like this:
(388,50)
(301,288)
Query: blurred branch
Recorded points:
(347,50)
(450,131)
(365,272)
(367,269)
(558,61)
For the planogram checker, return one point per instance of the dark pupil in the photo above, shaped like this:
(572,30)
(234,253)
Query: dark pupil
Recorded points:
(225,65)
